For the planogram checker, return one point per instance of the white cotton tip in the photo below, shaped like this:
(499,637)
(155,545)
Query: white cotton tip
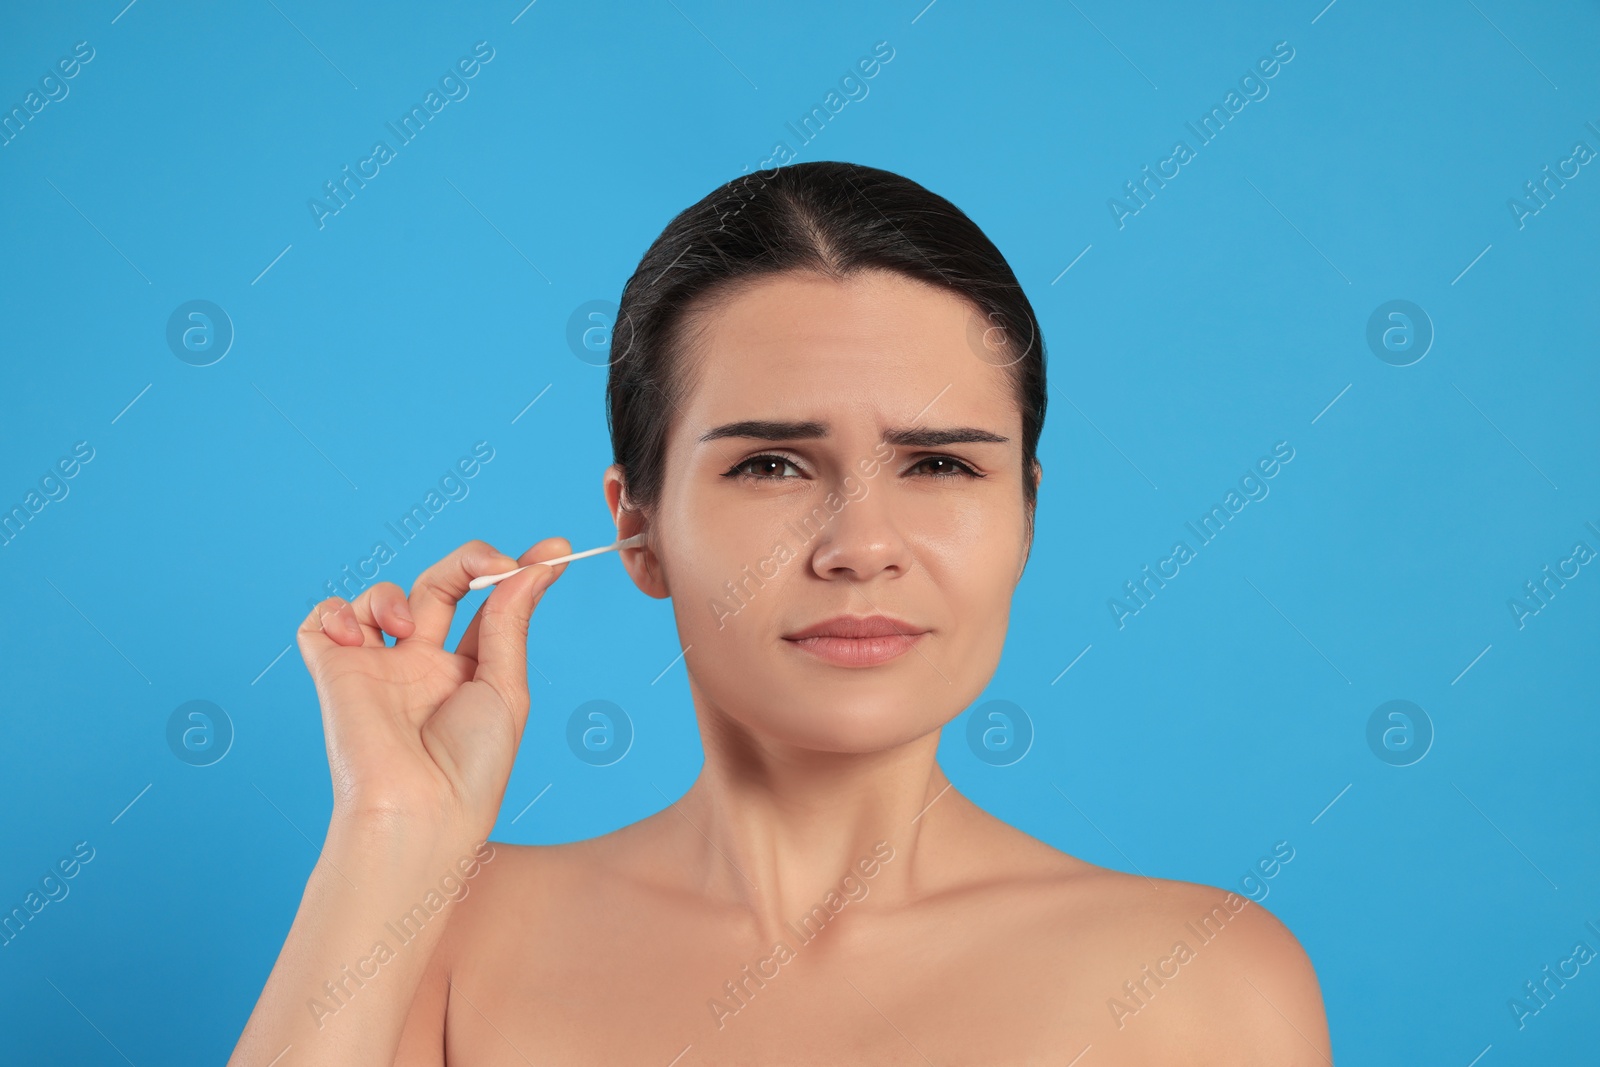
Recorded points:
(486,580)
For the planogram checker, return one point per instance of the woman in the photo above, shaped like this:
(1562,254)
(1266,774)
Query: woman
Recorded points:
(826,392)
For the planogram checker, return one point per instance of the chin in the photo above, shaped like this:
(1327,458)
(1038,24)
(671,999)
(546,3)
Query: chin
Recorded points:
(854,724)
(847,730)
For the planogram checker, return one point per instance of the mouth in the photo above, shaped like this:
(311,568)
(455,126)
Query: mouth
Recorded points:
(857,641)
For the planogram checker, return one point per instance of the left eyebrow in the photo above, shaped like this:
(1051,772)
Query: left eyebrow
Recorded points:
(909,437)
(933,437)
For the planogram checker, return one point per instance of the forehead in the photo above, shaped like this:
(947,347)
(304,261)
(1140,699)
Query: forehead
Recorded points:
(877,346)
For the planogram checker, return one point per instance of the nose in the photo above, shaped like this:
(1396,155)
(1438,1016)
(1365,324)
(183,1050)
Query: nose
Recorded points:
(860,540)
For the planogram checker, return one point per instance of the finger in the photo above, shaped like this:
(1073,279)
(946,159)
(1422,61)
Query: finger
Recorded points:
(329,625)
(381,609)
(439,588)
(502,652)
(549,548)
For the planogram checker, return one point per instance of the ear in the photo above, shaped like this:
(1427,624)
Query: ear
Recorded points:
(642,564)
(1038,476)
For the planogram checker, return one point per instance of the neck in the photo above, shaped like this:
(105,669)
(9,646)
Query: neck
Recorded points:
(776,828)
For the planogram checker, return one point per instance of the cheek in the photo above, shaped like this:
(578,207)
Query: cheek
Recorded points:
(725,564)
(970,545)
(971,566)
(971,555)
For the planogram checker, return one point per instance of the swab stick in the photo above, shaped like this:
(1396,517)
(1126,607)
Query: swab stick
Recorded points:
(486,580)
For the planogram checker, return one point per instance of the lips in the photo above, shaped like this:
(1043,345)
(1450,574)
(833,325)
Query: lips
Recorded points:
(856,640)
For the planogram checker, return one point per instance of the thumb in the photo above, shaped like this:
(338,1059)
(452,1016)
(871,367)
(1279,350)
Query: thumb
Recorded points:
(503,636)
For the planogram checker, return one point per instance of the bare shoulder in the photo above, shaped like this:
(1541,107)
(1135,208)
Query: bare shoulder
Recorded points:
(1196,967)
(1260,978)
(1169,965)
(516,881)
(522,887)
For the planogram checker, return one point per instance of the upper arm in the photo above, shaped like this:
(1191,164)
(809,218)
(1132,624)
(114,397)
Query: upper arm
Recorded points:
(477,923)
(422,1039)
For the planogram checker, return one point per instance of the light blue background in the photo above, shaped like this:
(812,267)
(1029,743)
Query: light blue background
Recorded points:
(1226,316)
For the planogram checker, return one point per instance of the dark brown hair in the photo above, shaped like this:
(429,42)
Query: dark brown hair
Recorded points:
(825,217)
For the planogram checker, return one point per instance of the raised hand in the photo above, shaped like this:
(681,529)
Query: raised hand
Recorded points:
(419,736)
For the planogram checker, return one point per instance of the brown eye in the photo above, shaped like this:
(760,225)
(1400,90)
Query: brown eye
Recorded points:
(766,467)
(945,467)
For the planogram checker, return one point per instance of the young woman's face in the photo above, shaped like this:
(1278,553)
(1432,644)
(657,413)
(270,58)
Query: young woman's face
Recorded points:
(842,521)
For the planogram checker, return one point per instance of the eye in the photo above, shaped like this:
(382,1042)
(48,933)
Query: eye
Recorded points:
(945,467)
(766,467)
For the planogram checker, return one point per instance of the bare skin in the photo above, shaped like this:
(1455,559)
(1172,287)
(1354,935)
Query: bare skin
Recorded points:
(821,895)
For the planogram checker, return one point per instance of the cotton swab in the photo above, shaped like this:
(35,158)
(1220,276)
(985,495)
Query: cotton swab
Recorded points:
(486,580)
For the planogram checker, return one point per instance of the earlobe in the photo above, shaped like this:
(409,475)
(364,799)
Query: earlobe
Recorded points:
(650,578)
(1027,551)
(1027,547)
(644,567)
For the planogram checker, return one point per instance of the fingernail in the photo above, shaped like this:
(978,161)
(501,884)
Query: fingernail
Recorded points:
(403,612)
